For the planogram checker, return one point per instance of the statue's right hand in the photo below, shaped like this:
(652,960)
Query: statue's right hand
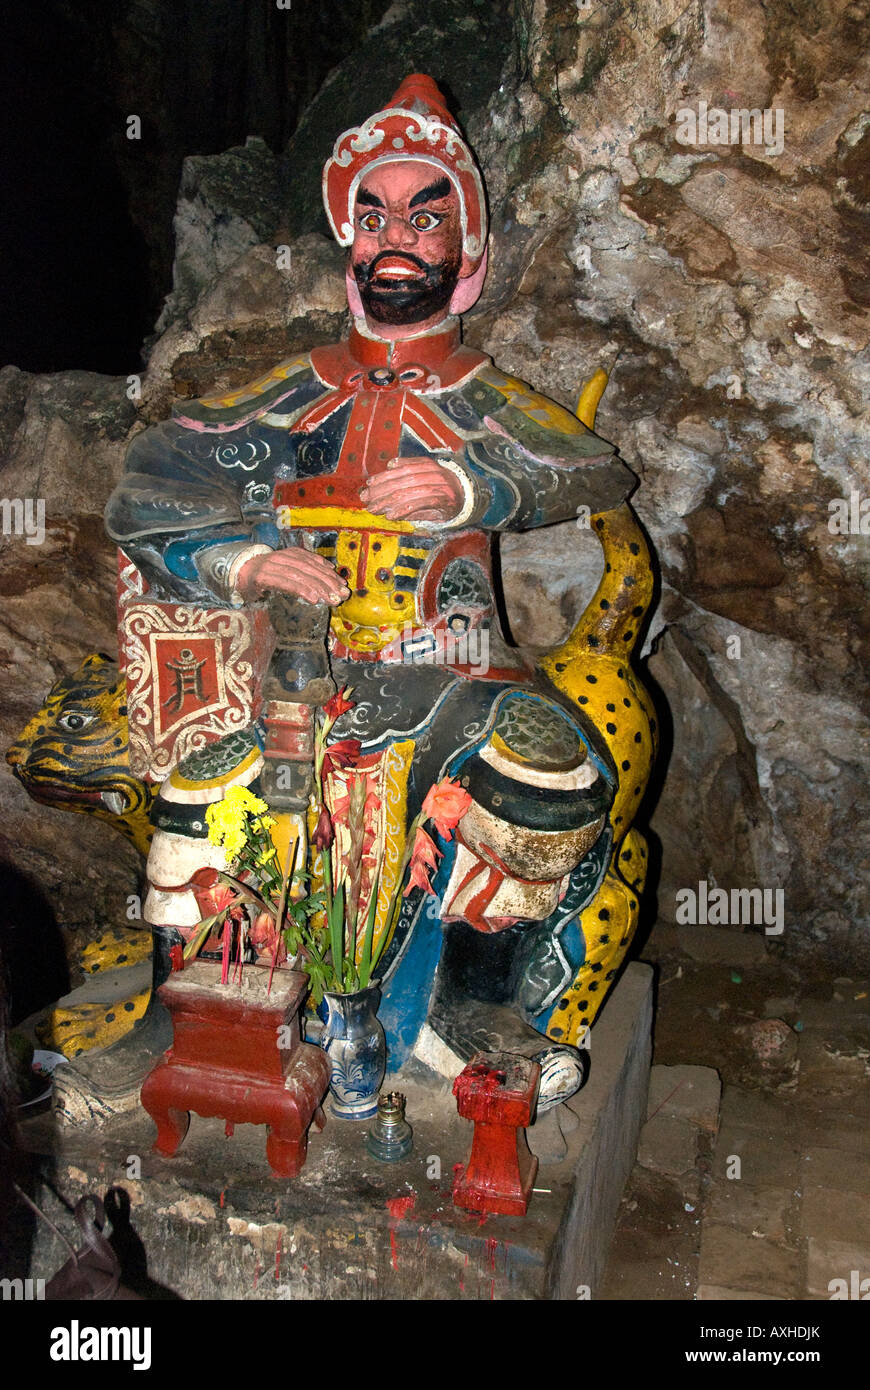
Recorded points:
(292,571)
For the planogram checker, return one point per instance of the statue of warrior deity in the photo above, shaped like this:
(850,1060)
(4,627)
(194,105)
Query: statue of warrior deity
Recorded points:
(329,526)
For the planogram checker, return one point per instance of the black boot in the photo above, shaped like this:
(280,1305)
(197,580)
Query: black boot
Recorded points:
(472,1010)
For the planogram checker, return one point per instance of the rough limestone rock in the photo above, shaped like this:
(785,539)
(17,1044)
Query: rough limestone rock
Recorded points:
(63,439)
(722,286)
(270,301)
(227,203)
(729,280)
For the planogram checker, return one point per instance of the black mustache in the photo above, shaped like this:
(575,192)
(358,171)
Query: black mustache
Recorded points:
(399,300)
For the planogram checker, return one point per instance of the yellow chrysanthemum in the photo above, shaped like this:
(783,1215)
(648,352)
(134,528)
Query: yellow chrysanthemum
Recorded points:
(227,827)
(236,820)
(240,796)
(234,842)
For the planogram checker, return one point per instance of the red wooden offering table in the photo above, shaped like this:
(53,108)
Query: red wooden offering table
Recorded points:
(498,1091)
(237,1053)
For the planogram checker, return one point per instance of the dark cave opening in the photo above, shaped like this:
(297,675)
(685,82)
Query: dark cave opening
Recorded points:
(86,237)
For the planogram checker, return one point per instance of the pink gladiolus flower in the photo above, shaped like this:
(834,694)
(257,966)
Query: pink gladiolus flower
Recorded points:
(324,834)
(337,704)
(425,850)
(265,938)
(343,753)
(262,928)
(418,878)
(341,808)
(446,804)
(214,898)
(424,856)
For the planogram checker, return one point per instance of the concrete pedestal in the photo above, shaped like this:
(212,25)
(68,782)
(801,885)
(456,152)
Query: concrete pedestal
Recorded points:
(215,1223)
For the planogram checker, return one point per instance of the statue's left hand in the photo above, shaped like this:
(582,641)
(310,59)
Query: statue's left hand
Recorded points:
(414,489)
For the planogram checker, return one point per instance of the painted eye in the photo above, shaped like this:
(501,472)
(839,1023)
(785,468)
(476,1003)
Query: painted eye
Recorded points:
(371,222)
(425,221)
(76,720)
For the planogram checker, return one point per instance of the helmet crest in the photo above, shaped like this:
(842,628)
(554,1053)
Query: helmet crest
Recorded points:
(415,125)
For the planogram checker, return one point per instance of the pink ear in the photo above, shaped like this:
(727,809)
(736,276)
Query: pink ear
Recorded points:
(468,290)
(353,299)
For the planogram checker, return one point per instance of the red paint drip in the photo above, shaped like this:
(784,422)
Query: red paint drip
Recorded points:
(223,1194)
(398,1207)
(491,1246)
(229,1129)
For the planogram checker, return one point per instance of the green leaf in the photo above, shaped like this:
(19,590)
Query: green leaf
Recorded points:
(336,930)
(365,965)
(315,902)
(248,895)
(206,926)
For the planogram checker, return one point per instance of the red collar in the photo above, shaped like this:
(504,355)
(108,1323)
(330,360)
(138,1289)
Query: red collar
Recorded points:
(430,362)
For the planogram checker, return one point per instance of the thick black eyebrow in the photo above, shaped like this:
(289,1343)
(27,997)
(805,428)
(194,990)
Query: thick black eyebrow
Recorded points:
(431,192)
(368,199)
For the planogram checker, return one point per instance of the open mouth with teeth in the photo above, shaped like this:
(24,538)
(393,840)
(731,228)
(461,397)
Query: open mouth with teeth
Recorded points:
(398,287)
(394,269)
(49,793)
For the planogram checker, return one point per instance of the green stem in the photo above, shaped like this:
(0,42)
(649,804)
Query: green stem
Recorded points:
(289,865)
(365,964)
(334,918)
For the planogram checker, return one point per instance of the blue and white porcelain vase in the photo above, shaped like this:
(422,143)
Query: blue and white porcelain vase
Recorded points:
(354,1042)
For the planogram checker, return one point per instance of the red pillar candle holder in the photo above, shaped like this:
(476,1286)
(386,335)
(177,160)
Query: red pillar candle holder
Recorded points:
(237,1053)
(498,1091)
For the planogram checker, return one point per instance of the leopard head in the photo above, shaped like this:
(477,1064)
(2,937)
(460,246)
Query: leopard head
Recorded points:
(74,755)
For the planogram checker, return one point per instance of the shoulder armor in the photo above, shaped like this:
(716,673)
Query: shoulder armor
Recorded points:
(547,430)
(247,402)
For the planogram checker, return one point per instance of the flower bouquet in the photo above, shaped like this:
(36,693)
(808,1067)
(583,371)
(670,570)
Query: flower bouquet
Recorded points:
(318,911)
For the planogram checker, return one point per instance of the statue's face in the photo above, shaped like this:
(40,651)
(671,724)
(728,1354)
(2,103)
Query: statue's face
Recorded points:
(407,246)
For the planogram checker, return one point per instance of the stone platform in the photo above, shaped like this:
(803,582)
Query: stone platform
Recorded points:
(215,1224)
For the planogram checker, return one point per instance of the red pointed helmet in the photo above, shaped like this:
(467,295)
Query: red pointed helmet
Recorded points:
(415,125)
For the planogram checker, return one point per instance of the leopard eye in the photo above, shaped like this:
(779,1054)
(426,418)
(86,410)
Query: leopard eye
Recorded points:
(76,720)
(425,221)
(371,222)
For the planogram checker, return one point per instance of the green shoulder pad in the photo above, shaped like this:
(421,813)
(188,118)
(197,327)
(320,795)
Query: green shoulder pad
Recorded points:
(254,398)
(541,426)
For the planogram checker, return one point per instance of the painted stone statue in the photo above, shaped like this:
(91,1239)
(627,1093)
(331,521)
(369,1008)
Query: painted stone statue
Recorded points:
(329,525)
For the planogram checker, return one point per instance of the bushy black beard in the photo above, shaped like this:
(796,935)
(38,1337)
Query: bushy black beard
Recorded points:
(406,301)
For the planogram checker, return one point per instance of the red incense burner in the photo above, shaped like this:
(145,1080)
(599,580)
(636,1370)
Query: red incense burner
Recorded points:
(237,1053)
(498,1091)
